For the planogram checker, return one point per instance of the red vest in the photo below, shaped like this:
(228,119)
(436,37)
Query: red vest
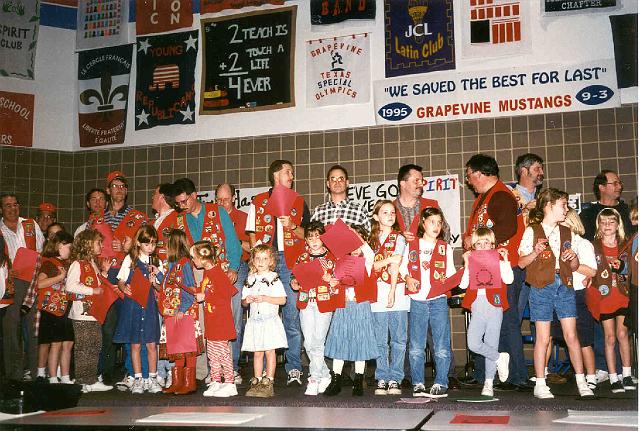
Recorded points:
(164,230)
(480,217)
(29,229)
(89,278)
(609,291)
(385,250)
(211,231)
(437,266)
(128,228)
(325,296)
(266,226)
(413,228)
(496,296)
(170,292)
(53,299)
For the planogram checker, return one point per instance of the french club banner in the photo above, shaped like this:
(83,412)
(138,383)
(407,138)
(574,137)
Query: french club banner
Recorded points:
(338,70)
(19,23)
(419,36)
(214,6)
(159,16)
(102,23)
(103,88)
(165,77)
(333,11)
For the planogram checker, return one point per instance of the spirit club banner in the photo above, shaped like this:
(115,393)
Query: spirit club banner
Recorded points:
(495,28)
(16,119)
(165,79)
(213,6)
(556,7)
(19,23)
(102,23)
(103,88)
(418,36)
(338,70)
(541,89)
(333,11)
(158,16)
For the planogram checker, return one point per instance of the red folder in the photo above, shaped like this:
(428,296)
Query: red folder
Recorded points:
(281,201)
(340,239)
(180,334)
(350,270)
(308,274)
(139,287)
(24,263)
(438,288)
(102,303)
(107,233)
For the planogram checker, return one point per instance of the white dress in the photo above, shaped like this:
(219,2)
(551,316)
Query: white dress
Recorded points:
(264,329)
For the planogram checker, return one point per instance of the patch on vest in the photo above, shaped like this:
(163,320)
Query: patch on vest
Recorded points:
(303,296)
(267,218)
(413,256)
(496,299)
(604,289)
(604,274)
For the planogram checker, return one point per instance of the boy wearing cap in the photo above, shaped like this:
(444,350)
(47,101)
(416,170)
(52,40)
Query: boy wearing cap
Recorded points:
(46,215)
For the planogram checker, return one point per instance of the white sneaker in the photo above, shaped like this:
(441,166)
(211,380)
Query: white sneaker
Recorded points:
(584,391)
(381,388)
(487,390)
(153,386)
(226,390)
(602,376)
(237,378)
(125,384)
(323,383)
(138,386)
(542,392)
(393,388)
(312,387)
(96,387)
(502,364)
(212,389)
(161,381)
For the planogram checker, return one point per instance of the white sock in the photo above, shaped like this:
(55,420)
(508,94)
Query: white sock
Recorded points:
(580,378)
(613,378)
(41,372)
(359,367)
(626,371)
(541,381)
(337,366)
(591,378)
(138,375)
(53,380)
(153,375)
(65,379)
(488,382)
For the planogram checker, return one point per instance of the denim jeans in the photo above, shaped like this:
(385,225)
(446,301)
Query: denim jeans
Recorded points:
(290,318)
(390,329)
(511,332)
(435,313)
(238,312)
(315,326)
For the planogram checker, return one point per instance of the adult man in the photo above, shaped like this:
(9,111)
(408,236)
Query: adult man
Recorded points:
(46,215)
(496,208)
(18,233)
(165,220)
(96,203)
(410,202)
(226,198)
(339,206)
(286,235)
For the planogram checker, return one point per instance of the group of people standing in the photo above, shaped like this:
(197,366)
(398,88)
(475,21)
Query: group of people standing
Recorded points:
(175,286)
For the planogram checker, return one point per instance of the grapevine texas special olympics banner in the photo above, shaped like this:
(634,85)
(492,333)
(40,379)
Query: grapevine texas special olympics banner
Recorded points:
(442,96)
(443,188)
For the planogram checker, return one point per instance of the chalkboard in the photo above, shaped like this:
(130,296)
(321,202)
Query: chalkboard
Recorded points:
(248,61)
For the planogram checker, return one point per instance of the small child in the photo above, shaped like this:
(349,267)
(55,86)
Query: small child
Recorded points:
(264,332)
(314,322)
(216,291)
(139,325)
(486,299)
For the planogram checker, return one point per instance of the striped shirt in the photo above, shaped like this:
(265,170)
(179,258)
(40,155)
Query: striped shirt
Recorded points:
(114,220)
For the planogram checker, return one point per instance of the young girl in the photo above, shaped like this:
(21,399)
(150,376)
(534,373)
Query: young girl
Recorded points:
(264,332)
(428,260)
(314,321)
(609,295)
(216,291)
(351,335)
(547,250)
(139,325)
(176,301)
(55,334)
(391,309)
(486,300)
(83,282)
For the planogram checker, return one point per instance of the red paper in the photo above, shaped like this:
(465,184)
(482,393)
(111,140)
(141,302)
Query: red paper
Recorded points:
(102,303)
(350,270)
(180,335)
(340,239)
(438,289)
(281,201)
(308,274)
(140,286)
(107,233)
(484,269)
(478,419)
(24,264)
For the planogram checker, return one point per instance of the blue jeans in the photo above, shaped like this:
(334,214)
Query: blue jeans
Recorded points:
(523,299)
(435,313)
(511,332)
(236,307)
(290,318)
(391,337)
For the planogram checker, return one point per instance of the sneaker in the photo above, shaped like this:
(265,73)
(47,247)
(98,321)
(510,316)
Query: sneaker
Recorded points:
(138,386)
(145,384)
(26,376)
(125,384)
(502,364)
(294,376)
(487,390)
(419,390)
(224,390)
(627,383)
(592,385)
(237,378)
(584,391)
(312,387)
(616,387)
(267,386)
(381,389)
(542,392)
(393,388)
(153,386)
(254,388)
(161,381)
(437,391)
(601,376)
(212,388)
(96,387)
(323,384)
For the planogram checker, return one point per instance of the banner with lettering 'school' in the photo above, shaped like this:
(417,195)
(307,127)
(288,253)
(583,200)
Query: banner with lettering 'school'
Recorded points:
(19,24)
(102,23)
(338,70)
(103,89)
(419,36)
(158,16)
(247,61)
(334,11)
(165,79)
(214,6)
(16,119)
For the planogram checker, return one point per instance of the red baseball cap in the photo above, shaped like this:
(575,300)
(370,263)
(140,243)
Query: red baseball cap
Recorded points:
(116,175)
(46,206)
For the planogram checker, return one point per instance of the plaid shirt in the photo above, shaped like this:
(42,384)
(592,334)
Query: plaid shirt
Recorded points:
(32,294)
(349,211)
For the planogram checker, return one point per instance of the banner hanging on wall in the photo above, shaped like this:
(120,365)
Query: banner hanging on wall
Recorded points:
(16,119)
(418,36)
(102,23)
(557,7)
(497,93)
(338,70)
(334,11)
(624,30)
(19,24)
(214,6)
(103,89)
(157,16)
(165,79)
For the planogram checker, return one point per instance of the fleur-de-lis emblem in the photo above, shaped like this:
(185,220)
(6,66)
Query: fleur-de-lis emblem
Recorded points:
(106,96)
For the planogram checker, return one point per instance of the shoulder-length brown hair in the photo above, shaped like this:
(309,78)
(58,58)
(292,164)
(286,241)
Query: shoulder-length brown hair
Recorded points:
(82,248)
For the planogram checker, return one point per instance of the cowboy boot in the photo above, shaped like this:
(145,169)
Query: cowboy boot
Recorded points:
(177,380)
(189,380)
(335,386)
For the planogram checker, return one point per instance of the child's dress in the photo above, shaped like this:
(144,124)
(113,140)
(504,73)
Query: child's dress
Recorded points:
(264,329)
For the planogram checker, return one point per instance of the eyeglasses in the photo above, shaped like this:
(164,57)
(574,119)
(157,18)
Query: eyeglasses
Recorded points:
(339,179)
(118,186)
(223,200)
(468,174)
(183,203)
(616,183)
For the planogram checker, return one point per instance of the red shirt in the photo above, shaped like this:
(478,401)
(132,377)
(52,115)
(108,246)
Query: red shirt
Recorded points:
(218,317)
(239,219)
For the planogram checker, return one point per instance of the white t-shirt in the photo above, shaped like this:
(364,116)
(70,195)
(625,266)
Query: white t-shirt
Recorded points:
(586,256)
(553,235)
(426,251)
(401,302)
(506,274)
(126,268)
(263,284)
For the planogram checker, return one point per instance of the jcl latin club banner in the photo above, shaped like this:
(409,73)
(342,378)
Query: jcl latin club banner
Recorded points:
(19,23)
(102,23)
(333,11)
(213,6)
(158,16)
(541,89)
(16,119)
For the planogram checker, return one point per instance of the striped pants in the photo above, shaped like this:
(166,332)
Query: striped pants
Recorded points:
(220,361)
